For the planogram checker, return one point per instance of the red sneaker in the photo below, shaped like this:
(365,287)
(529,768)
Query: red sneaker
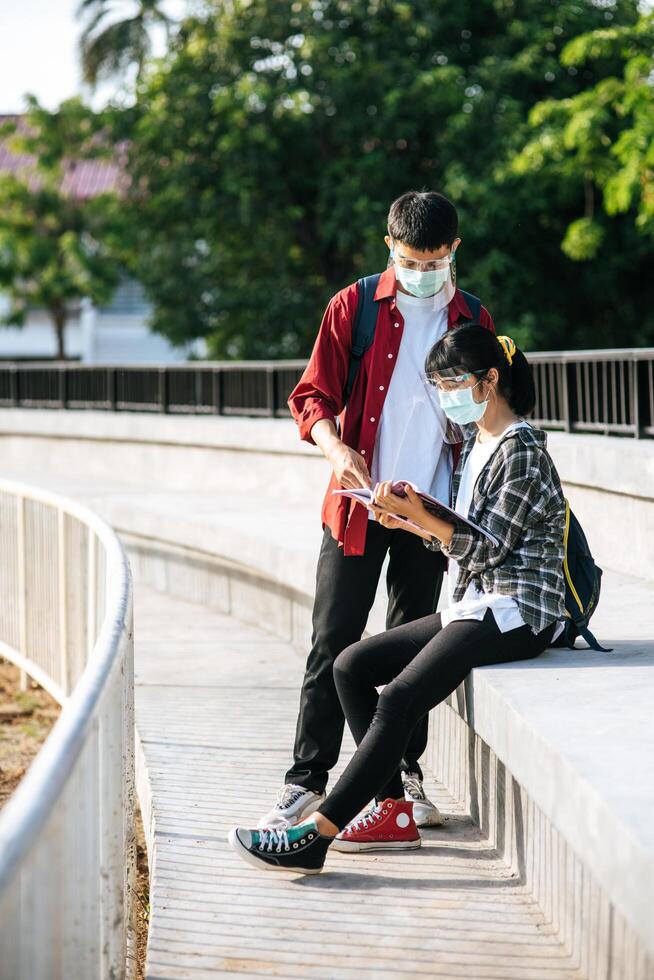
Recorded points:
(388,826)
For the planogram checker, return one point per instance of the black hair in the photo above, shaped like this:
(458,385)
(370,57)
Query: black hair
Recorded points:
(423,220)
(474,348)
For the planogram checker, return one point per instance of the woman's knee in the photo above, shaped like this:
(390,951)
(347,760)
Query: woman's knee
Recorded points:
(396,700)
(352,661)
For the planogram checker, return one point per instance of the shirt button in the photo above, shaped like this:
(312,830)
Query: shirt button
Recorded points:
(381,387)
(390,356)
(363,452)
(396,324)
(372,419)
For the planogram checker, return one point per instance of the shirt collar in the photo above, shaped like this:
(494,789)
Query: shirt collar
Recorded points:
(458,307)
(387,286)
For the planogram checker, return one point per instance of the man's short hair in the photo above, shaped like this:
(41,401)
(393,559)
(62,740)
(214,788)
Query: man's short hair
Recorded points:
(424,220)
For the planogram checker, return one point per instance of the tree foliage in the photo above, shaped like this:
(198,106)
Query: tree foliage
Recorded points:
(108,47)
(268,145)
(603,136)
(55,249)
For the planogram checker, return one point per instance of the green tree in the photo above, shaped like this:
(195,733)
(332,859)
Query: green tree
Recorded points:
(109,47)
(603,137)
(55,248)
(267,147)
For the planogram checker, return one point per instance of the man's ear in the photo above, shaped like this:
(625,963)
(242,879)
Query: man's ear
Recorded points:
(389,241)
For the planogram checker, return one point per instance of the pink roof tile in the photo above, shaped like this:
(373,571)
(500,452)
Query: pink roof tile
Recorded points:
(83,179)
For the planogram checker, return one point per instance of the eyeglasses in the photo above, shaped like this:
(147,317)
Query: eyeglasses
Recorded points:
(429,265)
(444,381)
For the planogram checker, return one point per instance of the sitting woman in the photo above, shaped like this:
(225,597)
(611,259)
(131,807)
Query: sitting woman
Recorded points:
(506,601)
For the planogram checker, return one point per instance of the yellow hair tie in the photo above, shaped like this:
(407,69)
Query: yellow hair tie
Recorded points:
(508,347)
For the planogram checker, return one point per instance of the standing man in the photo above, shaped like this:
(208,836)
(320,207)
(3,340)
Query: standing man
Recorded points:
(392,428)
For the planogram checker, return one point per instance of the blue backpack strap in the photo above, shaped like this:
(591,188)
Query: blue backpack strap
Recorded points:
(474,303)
(363,330)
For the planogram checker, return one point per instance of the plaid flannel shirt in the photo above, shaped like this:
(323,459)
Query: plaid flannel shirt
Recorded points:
(518,499)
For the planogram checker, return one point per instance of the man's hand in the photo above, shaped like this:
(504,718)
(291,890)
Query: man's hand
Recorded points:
(349,467)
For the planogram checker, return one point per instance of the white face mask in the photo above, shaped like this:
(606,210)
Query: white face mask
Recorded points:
(460,405)
(422,284)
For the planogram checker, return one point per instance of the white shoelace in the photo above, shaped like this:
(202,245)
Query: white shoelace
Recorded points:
(289,794)
(414,788)
(365,820)
(272,839)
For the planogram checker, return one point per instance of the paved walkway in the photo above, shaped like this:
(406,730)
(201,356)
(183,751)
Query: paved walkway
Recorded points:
(215,705)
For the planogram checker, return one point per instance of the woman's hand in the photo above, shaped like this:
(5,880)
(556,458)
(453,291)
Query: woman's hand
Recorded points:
(386,520)
(386,503)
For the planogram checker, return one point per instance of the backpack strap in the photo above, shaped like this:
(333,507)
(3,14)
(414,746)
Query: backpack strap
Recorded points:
(474,304)
(591,641)
(581,625)
(363,330)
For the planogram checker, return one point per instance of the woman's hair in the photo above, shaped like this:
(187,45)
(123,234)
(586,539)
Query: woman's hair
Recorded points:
(474,348)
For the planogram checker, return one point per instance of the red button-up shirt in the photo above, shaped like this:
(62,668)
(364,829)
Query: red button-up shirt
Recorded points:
(319,392)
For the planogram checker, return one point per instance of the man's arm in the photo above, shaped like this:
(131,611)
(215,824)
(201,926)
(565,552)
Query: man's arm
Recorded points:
(317,399)
(349,467)
(319,392)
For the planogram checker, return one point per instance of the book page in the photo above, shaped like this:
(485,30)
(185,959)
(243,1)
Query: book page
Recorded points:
(365,496)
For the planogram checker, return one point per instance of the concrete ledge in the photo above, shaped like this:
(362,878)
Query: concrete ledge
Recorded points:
(599,938)
(187,431)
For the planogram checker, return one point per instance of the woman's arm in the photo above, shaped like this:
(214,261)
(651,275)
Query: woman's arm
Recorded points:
(518,493)
(396,523)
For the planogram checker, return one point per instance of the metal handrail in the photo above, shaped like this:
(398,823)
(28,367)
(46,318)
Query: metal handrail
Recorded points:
(97,709)
(614,353)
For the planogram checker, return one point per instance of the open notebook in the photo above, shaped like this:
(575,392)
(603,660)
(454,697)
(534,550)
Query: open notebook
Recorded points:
(364,495)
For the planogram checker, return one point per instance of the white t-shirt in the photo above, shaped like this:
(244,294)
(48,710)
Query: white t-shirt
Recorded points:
(475,602)
(409,443)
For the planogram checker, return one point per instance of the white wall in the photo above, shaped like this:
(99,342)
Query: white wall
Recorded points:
(94,337)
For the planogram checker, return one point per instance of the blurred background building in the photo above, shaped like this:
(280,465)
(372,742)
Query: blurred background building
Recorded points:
(95,334)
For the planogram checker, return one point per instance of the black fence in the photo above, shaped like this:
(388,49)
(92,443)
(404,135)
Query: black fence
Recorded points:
(605,391)
(232,388)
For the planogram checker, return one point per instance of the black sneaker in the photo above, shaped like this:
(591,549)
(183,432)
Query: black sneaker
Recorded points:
(301,849)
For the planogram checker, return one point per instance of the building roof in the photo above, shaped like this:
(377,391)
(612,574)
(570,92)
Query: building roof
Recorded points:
(83,179)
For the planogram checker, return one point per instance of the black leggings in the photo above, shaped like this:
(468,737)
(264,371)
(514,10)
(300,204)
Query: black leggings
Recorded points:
(420,663)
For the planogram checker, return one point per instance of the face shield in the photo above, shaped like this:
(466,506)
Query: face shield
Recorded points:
(452,379)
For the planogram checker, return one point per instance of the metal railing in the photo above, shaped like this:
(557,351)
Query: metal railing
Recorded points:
(602,391)
(605,391)
(226,388)
(67,854)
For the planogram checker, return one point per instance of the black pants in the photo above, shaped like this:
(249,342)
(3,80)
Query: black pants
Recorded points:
(420,664)
(345,591)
